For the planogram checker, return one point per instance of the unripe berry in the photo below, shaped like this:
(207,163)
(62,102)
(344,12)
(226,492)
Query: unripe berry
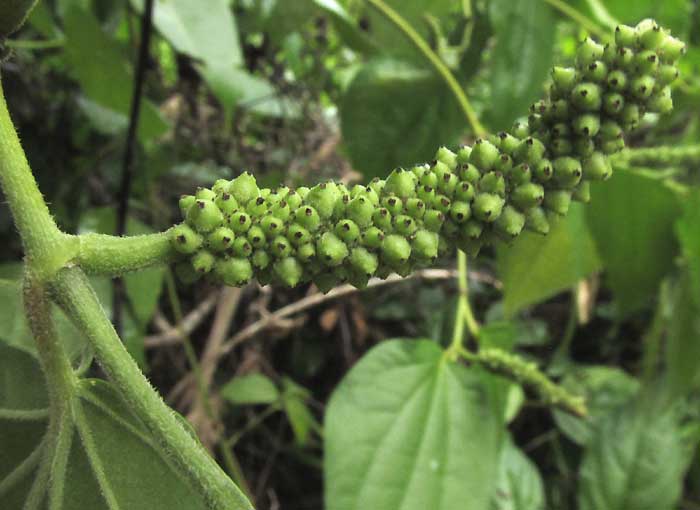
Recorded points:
(281,210)
(322,197)
(542,172)
(649,34)
(395,250)
(613,103)
(582,193)
(425,244)
(460,212)
(203,261)
(244,188)
(226,203)
(536,221)
(465,192)
(256,207)
(204,194)
(204,216)
(463,155)
(307,217)
(530,151)
(241,247)
(527,195)
(507,142)
(306,252)
(511,222)
(360,211)
(347,230)
(331,249)
(563,79)
(293,200)
(469,173)
(446,156)
(493,182)
(557,201)
(484,155)
(404,225)
(239,222)
(363,261)
(401,183)
(220,240)
(667,74)
(185,203)
(586,97)
(372,237)
(586,125)
(184,239)
(433,220)
(625,35)
(289,271)
(596,71)
(567,172)
(256,236)
(588,52)
(671,49)
(415,207)
(448,183)
(280,247)
(234,271)
(617,81)
(646,62)
(487,206)
(596,167)
(642,87)
(393,204)
(260,259)
(442,203)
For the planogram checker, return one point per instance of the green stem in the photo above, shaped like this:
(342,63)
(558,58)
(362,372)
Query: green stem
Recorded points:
(658,156)
(444,72)
(25,44)
(73,293)
(111,255)
(527,373)
(579,18)
(45,246)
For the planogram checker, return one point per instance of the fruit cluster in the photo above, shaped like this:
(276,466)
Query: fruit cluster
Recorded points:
(480,194)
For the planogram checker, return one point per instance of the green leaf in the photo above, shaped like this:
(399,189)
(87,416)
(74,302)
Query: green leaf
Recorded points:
(605,390)
(298,413)
(535,268)
(521,59)
(407,429)
(631,219)
(380,134)
(683,341)
(392,41)
(688,234)
(208,34)
(105,451)
(250,389)
(519,482)
(97,62)
(634,460)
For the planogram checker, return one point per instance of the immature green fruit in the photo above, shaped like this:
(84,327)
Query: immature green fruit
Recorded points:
(289,271)
(395,250)
(479,195)
(488,207)
(536,221)
(331,249)
(186,201)
(511,222)
(204,216)
(244,188)
(220,239)
(203,261)
(234,271)
(625,36)
(363,261)
(184,239)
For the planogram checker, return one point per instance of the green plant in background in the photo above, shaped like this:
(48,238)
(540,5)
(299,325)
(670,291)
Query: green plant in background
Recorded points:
(330,233)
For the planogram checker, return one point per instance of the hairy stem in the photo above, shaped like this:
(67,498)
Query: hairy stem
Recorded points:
(444,72)
(73,293)
(658,156)
(45,246)
(527,373)
(111,255)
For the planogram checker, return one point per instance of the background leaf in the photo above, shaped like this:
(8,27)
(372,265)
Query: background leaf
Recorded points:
(522,56)
(250,389)
(534,267)
(380,134)
(634,460)
(407,429)
(519,482)
(631,218)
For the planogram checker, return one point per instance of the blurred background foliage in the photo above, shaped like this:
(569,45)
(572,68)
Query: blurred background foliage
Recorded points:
(304,90)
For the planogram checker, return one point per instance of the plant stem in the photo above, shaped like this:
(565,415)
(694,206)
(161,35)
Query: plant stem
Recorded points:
(464,314)
(579,18)
(664,155)
(527,373)
(111,255)
(45,246)
(73,293)
(26,44)
(418,41)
